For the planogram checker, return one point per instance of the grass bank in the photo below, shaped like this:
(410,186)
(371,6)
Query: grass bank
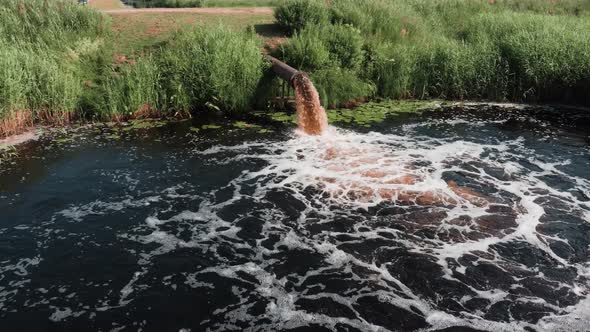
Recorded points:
(58,60)
(202,68)
(49,50)
(503,50)
(58,64)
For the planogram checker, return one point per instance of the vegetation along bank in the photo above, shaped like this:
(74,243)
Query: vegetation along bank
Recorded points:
(57,62)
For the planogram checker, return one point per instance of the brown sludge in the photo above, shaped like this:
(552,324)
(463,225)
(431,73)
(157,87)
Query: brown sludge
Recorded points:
(311,116)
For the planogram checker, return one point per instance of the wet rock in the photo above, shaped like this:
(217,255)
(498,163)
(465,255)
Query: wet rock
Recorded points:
(325,306)
(389,316)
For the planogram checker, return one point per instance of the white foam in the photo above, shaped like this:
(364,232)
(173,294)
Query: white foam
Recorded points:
(326,177)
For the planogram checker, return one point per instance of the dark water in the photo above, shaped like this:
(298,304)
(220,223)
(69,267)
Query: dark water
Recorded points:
(169,230)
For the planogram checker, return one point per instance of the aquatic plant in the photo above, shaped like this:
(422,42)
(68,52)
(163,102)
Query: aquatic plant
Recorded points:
(7,153)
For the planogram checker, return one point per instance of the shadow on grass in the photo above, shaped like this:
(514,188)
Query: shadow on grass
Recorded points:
(269,30)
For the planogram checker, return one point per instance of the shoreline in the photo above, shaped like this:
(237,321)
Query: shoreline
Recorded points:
(35,132)
(30,135)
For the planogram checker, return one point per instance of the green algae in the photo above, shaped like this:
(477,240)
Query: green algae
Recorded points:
(144,124)
(7,153)
(210,126)
(64,140)
(245,125)
(282,117)
(363,115)
(375,112)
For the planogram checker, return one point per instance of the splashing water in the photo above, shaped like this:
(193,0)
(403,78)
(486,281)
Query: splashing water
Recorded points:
(311,116)
(364,172)
(298,232)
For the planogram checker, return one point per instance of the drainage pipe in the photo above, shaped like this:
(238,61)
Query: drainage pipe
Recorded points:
(283,70)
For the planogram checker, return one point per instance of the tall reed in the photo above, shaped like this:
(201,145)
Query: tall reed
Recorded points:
(458,49)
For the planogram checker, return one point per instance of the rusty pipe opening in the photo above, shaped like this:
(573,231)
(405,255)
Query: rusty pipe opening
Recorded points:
(283,70)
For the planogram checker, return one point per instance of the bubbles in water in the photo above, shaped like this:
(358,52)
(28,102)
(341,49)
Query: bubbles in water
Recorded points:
(341,231)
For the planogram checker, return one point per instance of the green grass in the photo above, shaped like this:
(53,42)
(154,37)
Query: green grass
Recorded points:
(507,50)
(48,51)
(137,32)
(56,57)
(205,68)
(57,64)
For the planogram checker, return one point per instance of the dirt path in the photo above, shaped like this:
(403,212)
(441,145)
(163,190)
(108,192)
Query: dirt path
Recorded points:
(248,10)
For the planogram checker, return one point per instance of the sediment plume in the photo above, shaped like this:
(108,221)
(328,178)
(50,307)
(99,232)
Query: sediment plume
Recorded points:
(311,116)
(367,184)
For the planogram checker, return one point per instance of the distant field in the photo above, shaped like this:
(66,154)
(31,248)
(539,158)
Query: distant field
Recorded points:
(133,32)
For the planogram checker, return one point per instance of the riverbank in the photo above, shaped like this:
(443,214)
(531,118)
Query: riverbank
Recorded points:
(158,64)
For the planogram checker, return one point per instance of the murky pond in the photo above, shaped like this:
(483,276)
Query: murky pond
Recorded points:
(173,227)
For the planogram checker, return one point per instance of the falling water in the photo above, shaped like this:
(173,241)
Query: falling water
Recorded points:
(375,172)
(311,116)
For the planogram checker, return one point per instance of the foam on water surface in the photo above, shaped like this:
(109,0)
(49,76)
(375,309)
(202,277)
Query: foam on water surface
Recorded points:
(331,232)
